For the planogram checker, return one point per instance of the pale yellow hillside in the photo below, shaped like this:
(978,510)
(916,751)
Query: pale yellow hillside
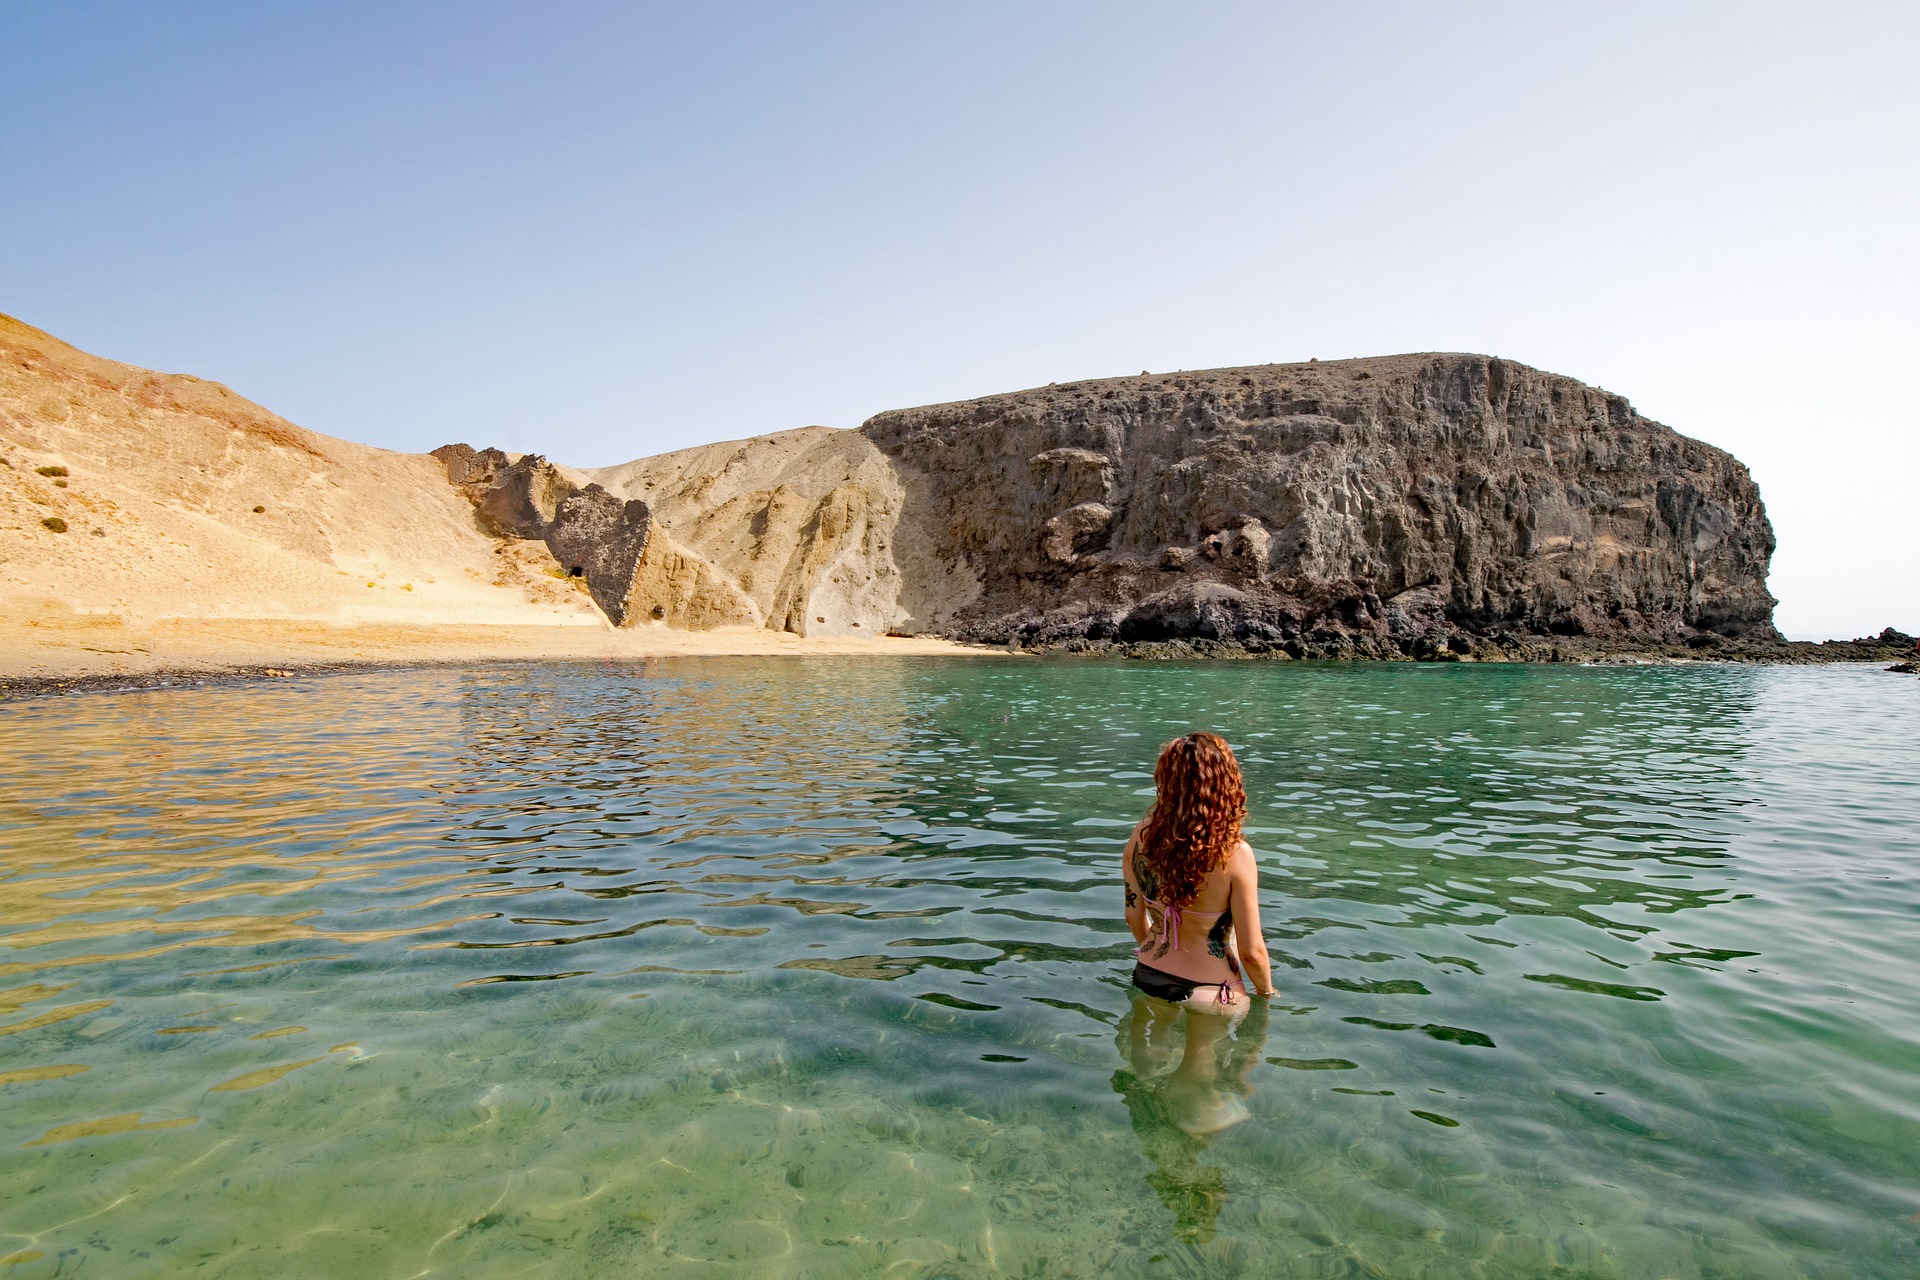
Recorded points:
(203,533)
(803,527)
(184,500)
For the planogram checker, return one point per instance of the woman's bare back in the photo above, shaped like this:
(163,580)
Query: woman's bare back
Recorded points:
(1201,945)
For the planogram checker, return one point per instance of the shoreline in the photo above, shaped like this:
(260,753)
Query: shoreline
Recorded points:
(201,653)
(1505,648)
(48,652)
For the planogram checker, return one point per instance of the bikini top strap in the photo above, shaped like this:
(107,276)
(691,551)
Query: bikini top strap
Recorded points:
(1192,911)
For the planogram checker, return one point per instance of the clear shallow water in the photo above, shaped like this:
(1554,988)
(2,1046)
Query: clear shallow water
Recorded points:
(814,968)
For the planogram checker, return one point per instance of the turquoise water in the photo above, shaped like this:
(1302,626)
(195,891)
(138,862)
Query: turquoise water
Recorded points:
(815,968)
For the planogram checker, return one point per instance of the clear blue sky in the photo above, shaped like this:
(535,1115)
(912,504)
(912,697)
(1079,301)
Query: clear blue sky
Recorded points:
(604,230)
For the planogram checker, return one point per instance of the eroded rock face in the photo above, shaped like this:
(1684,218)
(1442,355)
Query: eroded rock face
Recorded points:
(793,531)
(597,536)
(1405,499)
(1405,505)
(592,534)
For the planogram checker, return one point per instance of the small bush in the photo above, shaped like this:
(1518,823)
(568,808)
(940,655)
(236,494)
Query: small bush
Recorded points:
(54,524)
(59,484)
(259,511)
(50,471)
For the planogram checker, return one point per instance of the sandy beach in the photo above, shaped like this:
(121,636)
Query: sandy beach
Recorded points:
(48,645)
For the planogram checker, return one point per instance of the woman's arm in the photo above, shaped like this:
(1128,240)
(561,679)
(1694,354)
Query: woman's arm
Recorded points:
(1136,908)
(1243,898)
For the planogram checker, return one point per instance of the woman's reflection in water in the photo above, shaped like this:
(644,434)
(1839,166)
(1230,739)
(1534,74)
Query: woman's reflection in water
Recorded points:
(1177,1107)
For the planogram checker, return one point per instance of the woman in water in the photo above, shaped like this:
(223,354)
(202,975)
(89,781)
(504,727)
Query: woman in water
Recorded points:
(1191,884)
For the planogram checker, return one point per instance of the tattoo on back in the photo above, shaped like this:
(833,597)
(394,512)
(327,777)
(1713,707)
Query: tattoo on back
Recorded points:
(1144,874)
(1217,936)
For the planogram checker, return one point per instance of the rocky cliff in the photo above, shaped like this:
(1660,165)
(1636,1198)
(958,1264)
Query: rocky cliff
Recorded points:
(1403,502)
(594,536)
(793,531)
(1418,505)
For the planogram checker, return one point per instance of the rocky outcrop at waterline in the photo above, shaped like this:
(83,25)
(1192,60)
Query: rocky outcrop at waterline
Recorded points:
(1425,506)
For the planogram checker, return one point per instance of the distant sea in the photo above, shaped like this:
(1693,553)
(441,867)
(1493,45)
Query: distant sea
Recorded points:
(815,967)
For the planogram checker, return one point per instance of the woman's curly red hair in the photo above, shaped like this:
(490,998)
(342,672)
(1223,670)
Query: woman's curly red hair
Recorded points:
(1196,815)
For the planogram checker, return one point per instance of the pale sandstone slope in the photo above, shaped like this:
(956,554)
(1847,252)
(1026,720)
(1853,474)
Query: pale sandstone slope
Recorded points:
(791,531)
(165,473)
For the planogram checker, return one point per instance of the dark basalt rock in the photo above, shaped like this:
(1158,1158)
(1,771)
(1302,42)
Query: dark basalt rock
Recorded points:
(1401,506)
(591,533)
(597,536)
(511,499)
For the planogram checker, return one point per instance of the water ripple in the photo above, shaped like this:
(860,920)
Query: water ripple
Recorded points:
(559,967)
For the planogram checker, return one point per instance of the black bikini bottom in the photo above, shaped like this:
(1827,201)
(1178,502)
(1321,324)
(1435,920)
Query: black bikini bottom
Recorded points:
(1165,986)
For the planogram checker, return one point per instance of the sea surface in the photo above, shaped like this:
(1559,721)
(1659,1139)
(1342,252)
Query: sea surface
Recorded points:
(815,967)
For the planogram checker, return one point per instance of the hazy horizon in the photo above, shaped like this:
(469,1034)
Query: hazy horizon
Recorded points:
(606,231)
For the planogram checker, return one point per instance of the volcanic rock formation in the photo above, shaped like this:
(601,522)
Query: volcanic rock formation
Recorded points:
(593,534)
(798,525)
(1404,504)
(1406,499)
